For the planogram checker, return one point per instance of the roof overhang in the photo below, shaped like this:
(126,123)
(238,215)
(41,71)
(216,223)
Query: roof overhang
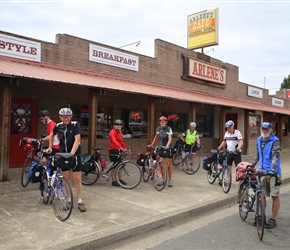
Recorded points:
(63,74)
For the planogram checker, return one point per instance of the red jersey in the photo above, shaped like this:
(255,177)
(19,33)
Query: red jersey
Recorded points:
(116,140)
(49,128)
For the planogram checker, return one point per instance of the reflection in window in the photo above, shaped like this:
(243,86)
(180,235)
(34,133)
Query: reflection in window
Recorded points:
(21,119)
(254,125)
(204,126)
(177,122)
(135,123)
(284,129)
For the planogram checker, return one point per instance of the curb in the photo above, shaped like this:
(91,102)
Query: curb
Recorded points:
(123,232)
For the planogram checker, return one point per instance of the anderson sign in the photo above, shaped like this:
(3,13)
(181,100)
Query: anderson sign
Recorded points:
(114,58)
(206,71)
(20,48)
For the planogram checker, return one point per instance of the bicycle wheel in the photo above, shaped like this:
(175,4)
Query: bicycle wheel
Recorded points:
(128,175)
(62,207)
(44,189)
(191,163)
(176,157)
(260,215)
(211,174)
(146,171)
(226,179)
(25,169)
(243,201)
(89,178)
(160,176)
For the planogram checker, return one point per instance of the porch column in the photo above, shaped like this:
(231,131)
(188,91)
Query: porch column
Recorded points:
(151,119)
(5,94)
(192,114)
(246,134)
(222,120)
(93,109)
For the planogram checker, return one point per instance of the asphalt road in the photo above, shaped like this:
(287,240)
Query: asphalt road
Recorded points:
(222,229)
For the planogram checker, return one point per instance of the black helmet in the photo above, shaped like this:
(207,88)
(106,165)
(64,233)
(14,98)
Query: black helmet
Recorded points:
(118,122)
(43,113)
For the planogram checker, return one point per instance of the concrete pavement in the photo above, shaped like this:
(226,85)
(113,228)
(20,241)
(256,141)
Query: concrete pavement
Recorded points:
(113,213)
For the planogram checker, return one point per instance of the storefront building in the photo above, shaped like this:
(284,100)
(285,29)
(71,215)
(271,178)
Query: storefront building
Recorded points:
(102,83)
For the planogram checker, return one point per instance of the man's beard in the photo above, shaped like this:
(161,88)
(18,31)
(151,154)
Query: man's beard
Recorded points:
(266,135)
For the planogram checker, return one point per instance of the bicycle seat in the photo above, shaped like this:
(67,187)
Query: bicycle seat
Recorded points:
(261,172)
(97,148)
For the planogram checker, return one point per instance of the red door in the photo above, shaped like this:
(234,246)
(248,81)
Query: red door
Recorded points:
(23,124)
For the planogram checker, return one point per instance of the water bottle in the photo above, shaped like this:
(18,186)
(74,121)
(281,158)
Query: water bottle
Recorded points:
(103,164)
(52,179)
(151,162)
(250,195)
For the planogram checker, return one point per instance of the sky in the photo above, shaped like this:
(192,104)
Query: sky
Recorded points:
(253,35)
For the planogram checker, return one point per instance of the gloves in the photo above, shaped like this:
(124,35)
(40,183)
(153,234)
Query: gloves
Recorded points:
(271,173)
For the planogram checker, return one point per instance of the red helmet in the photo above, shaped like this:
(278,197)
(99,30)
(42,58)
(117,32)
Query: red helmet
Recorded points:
(163,118)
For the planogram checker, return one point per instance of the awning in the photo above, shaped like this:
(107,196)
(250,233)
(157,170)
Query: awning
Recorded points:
(49,72)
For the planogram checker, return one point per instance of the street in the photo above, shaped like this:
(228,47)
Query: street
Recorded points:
(222,229)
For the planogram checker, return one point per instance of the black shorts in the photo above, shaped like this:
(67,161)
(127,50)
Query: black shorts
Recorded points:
(114,155)
(236,158)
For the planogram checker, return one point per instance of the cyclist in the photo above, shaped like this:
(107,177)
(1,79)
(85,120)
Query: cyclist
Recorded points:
(190,136)
(116,145)
(69,134)
(44,116)
(164,132)
(268,153)
(233,139)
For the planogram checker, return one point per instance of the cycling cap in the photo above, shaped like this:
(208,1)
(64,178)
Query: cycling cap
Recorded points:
(65,111)
(266,125)
(163,118)
(229,124)
(192,124)
(43,113)
(118,122)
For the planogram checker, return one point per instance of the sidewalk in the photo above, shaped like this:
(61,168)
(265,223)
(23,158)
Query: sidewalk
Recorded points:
(113,213)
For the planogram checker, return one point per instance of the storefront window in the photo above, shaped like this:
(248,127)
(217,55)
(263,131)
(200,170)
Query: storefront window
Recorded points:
(204,126)
(177,122)
(255,124)
(284,129)
(135,123)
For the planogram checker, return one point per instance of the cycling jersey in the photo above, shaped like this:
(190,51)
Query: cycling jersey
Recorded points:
(190,138)
(116,140)
(163,133)
(66,135)
(232,139)
(49,128)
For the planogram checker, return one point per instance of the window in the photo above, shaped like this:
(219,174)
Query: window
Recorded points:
(177,122)
(284,129)
(135,123)
(254,125)
(204,126)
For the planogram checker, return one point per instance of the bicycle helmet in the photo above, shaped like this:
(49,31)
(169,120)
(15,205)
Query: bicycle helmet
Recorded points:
(163,118)
(192,124)
(118,122)
(43,113)
(229,124)
(65,111)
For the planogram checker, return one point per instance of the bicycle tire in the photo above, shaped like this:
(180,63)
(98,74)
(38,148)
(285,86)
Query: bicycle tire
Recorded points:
(25,170)
(130,173)
(191,166)
(226,179)
(159,179)
(61,192)
(211,174)
(44,189)
(243,201)
(260,215)
(146,171)
(89,178)
(176,157)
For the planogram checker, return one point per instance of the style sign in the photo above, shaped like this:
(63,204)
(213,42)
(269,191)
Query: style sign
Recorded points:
(20,48)
(112,57)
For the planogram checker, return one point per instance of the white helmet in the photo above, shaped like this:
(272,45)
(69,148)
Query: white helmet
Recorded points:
(192,124)
(65,111)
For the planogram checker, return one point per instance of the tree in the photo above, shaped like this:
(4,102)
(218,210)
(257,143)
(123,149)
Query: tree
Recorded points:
(286,83)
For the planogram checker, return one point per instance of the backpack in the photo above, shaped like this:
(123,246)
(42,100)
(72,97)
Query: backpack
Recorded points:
(35,172)
(241,171)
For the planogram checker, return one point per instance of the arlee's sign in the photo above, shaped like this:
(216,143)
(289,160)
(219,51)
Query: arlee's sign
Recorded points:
(20,48)
(112,57)
(206,71)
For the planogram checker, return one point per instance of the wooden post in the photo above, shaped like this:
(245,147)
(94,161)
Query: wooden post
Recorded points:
(93,109)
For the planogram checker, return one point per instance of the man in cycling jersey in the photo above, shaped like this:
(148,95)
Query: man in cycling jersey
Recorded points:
(190,136)
(233,139)
(69,134)
(164,132)
(44,117)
